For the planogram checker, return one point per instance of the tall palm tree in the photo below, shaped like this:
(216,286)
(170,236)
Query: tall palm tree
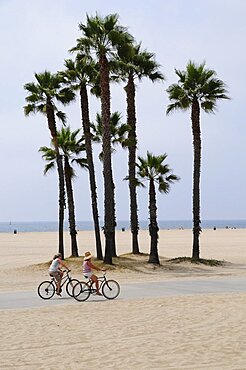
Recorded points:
(118,136)
(105,37)
(198,88)
(42,98)
(132,67)
(71,147)
(155,171)
(80,74)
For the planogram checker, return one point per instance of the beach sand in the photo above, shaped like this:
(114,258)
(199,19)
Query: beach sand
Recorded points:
(185,332)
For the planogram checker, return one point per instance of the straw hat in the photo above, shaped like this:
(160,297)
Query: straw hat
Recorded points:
(87,256)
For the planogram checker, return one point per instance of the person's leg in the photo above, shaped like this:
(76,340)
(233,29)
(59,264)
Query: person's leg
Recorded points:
(58,287)
(58,282)
(95,280)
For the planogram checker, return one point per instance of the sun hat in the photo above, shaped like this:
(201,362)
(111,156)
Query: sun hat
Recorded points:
(87,256)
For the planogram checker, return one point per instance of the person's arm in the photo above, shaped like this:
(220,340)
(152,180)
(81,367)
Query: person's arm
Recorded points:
(63,265)
(94,267)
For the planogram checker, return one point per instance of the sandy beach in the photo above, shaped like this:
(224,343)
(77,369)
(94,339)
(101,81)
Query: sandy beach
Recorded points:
(184,332)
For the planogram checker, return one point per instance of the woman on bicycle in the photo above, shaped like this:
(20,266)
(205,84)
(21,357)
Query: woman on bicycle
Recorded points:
(87,266)
(56,272)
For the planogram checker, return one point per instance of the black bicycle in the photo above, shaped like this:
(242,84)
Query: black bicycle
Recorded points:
(47,289)
(109,288)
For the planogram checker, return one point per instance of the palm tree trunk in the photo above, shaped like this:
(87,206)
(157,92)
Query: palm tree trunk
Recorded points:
(53,131)
(153,227)
(195,118)
(71,210)
(61,203)
(114,254)
(109,205)
(88,147)
(132,146)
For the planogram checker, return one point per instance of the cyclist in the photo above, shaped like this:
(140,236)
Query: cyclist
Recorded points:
(87,266)
(56,272)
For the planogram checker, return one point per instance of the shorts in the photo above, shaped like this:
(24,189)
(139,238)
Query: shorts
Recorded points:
(87,275)
(57,275)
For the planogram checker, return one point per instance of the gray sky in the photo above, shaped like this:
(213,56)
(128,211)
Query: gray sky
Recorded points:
(36,35)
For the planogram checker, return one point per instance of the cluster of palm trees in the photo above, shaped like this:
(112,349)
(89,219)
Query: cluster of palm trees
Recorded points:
(107,53)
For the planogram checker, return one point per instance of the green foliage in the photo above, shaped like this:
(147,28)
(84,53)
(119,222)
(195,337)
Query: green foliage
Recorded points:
(49,155)
(138,64)
(47,90)
(118,130)
(71,146)
(83,71)
(103,35)
(196,83)
(153,168)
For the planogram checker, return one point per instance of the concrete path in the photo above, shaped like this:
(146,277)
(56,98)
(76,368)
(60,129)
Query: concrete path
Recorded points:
(170,288)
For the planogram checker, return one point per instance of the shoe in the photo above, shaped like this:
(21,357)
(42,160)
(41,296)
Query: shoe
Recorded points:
(98,293)
(59,294)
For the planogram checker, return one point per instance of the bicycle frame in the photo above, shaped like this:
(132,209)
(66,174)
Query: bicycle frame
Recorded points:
(46,289)
(110,289)
(64,279)
(101,280)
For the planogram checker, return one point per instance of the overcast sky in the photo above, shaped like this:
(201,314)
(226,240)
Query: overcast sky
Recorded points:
(36,36)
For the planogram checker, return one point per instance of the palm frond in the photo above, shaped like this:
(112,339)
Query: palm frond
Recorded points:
(29,108)
(49,167)
(135,181)
(61,116)
(81,162)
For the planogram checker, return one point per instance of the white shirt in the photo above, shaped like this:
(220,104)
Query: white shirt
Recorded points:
(54,265)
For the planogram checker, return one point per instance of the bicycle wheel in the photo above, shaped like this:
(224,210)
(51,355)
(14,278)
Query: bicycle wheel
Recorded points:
(70,285)
(110,289)
(81,291)
(46,290)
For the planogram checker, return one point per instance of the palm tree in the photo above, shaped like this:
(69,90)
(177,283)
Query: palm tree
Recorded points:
(118,131)
(41,98)
(71,148)
(79,75)
(118,136)
(198,88)
(131,67)
(154,170)
(105,37)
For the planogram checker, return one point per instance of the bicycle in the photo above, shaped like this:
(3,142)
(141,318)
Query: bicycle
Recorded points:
(110,289)
(47,289)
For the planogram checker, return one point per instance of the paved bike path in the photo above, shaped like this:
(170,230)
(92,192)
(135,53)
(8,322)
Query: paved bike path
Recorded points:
(170,288)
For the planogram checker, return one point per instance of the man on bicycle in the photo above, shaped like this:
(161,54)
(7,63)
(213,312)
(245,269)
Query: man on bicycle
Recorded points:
(56,272)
